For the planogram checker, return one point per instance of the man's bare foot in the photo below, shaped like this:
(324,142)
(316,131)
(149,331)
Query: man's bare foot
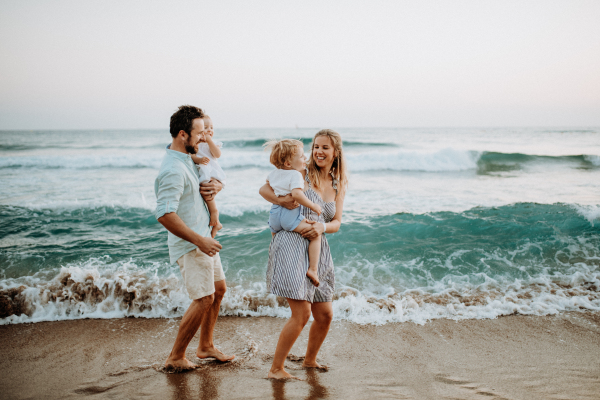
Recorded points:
(215,353)
(216,228)
(315,365)
(281,374)
(183,364)
(314,277)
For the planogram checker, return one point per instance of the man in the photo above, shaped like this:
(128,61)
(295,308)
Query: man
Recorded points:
(182,211)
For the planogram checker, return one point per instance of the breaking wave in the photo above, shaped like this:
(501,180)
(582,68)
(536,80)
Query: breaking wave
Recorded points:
(94,291)
(445,160)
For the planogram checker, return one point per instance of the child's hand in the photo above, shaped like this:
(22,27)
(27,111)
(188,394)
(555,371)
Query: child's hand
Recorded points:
(200,160)
(317,209)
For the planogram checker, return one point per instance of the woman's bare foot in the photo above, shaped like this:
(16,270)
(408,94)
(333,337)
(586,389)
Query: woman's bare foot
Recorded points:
(180,365)
(315,365)
(215,228)
(281,374)
(314,277)
(215,353)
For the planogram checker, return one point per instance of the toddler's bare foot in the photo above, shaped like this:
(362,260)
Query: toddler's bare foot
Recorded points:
(214,353)
(314,278)
(216,229)
(281,374)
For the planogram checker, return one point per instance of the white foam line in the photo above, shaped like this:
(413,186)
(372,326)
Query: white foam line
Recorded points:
(101,289)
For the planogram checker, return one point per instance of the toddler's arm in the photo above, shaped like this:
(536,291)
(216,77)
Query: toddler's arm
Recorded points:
(200,160)
(287,201)
(214,149)
(301,198)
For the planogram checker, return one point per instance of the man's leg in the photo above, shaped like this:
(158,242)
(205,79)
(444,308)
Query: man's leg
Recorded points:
(206,347)
(187,329)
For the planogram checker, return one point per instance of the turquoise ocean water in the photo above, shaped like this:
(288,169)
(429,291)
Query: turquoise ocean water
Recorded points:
(438,223)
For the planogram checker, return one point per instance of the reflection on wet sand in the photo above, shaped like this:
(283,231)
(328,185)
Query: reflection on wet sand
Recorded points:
(316,391)
(278,386)
(202,383)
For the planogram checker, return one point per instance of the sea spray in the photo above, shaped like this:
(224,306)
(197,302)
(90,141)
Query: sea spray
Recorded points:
(87,292)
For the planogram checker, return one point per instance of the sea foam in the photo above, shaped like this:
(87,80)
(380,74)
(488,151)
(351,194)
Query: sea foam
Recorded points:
(102,289)
(589,212)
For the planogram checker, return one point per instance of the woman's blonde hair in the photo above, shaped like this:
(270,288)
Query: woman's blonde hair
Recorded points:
(338,168)
(283,150)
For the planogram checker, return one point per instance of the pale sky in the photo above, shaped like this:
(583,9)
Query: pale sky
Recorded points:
(129,64)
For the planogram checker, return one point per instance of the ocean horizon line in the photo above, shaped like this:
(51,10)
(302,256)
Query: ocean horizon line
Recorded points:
(557,127)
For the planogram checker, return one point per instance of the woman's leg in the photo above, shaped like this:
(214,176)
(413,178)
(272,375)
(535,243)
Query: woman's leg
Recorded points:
(323,314)
(290,332)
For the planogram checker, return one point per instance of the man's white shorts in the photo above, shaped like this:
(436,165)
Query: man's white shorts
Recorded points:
(200,272)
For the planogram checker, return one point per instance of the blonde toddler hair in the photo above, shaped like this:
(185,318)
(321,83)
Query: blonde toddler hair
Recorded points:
(283,150)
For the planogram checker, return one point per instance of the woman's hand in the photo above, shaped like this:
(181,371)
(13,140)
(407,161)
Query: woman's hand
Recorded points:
(315,229)
(288,202)
(208,190)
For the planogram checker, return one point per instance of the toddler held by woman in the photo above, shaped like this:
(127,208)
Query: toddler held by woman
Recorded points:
(288,156)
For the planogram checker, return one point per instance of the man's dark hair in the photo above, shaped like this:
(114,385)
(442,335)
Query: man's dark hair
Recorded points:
(183,118)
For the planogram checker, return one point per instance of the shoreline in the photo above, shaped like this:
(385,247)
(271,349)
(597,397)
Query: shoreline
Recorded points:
(511,357)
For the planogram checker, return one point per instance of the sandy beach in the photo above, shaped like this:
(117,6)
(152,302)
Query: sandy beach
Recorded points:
(514,357)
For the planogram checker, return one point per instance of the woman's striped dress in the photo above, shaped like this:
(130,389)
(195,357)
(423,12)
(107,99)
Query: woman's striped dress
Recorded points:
(288,259)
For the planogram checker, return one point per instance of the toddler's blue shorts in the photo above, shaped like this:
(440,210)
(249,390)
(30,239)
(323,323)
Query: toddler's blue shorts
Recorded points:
(282,218)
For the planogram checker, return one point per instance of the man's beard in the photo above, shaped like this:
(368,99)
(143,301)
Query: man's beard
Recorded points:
(191,149)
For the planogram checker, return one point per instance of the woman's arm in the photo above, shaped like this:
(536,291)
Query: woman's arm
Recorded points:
(334,225)
(300,197)
(317,228)
(214,149)
(287,201)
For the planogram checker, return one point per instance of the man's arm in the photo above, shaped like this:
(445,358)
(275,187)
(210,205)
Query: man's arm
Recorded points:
(168,189)
(208,190)
(177,227)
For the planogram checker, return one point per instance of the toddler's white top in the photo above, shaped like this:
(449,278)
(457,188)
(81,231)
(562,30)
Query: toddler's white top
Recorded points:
(283,181)
(212,169)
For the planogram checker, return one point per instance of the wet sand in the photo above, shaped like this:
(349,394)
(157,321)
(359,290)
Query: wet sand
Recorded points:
(514,357)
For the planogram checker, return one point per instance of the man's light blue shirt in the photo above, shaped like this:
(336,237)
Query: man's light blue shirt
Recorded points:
(177,190)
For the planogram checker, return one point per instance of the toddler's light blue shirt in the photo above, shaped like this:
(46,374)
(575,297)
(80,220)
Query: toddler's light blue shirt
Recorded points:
(177,190)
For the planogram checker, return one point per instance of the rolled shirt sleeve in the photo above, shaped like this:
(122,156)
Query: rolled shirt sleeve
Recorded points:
(177,190)
(296,181)
(168,188)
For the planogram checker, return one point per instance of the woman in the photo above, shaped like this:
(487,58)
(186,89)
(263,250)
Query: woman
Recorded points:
(325,184)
